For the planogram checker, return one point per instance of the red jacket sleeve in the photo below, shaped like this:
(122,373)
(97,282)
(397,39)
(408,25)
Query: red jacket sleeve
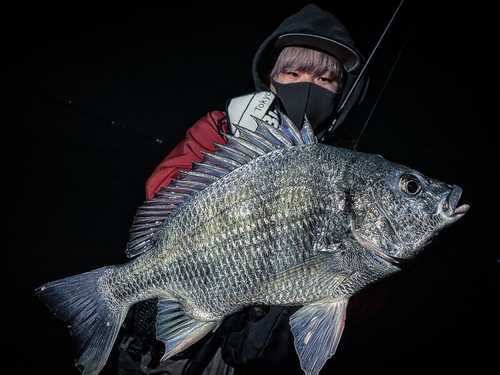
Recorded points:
(197,139)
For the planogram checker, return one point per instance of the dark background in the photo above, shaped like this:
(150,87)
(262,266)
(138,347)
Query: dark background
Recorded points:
(95,96)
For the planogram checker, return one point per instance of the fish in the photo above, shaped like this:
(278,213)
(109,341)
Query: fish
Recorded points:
(272,218)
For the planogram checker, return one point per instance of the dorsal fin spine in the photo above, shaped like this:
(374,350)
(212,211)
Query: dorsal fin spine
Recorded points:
(241,145)
(198,176)
(307,133)
(279,138)
(261,142)
(208,169)
(232,153)
(251,148)
(220,161)
(291,131)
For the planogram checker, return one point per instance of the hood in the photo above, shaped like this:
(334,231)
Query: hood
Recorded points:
(310,27)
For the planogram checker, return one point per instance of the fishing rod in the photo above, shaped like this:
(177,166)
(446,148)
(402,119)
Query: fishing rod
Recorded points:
(333,125)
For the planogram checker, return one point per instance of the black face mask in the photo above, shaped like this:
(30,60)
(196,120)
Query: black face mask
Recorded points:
(306,98)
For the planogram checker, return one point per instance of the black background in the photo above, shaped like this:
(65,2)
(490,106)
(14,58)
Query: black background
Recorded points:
(94,96)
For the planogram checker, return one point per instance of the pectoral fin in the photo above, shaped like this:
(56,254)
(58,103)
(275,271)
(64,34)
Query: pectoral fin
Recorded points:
(317,329)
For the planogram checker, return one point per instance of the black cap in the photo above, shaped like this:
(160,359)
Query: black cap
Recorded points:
(347,56)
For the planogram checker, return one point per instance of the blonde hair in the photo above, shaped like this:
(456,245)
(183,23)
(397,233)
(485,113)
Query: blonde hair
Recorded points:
(309,61)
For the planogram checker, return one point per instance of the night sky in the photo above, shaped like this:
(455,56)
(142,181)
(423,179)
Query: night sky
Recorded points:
(95,96)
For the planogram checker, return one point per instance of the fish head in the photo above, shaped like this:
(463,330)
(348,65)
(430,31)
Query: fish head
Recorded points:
(397,211)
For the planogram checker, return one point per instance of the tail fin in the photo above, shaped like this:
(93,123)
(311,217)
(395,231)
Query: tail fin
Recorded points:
(94,324)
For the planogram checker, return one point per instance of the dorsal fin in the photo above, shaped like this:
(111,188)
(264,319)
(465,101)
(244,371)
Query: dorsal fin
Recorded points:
(289,128)
(307,132)
(238,151)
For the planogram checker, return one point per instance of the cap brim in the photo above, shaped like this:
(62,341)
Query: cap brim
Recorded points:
(347,56)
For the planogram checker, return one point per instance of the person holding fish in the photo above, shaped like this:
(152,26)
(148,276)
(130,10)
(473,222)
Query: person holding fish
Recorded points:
(270,227)
(304,68)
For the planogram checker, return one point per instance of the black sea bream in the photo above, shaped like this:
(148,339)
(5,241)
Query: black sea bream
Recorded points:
(271,218)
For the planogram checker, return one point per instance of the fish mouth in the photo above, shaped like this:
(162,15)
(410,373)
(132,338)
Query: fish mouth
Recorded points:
(450,207)
(460,211)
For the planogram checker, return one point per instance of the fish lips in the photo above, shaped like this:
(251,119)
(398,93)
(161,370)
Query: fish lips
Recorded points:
(450,207)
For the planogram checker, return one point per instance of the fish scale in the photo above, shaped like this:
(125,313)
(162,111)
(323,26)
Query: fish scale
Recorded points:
(286,231)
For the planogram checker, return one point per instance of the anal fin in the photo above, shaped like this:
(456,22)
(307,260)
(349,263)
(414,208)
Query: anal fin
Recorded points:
(317,329)
(176,329)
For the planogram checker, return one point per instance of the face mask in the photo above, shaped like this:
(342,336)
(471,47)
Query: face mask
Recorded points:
(306,98)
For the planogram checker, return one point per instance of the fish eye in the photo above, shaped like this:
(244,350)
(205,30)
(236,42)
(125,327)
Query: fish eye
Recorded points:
(410,184)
